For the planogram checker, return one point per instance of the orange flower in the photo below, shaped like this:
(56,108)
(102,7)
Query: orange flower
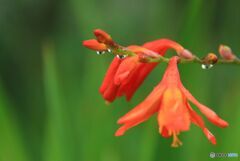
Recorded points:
(124,76)
(170,99)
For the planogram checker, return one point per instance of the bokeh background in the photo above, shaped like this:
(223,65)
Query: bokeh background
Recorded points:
(50,108)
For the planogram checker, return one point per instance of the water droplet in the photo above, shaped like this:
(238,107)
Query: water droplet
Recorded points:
(121,56)
(207,66)
(100,52)
(109,50)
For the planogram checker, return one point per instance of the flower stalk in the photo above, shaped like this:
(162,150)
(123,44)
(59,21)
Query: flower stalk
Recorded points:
(160,59)
(169,99)
(105,42)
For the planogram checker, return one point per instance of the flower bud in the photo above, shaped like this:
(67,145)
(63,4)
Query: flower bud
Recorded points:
(186,54)
(226,52)
(211,58)
(103,37)
(94,45)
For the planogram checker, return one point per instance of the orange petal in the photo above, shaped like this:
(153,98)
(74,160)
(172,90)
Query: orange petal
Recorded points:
(111,92)
(108,89)
(141,112)
(112,69)
(141,51)
(94,45)
(173,113)
(163,44)
(137,78)
(125,68)
(196,119)
(210,136)
(130,85)
(127,126)
(144,110)
(132,119)
(211,115)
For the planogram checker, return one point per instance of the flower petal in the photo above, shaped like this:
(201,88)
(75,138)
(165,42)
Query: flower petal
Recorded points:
(94,45)
(111,92)
(141,112)
(136,79)
(173,113)
(127,67)
(108,89)
(211,115)
(162,45)
(110,74)
(196,119)
(145,108)
(127,126)
(136,116)
(210,136)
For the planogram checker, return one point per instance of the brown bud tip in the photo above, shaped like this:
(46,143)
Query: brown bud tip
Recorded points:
(143,58)
(94,45)
(226,52)
(211,58)
(103,37)
(186,54)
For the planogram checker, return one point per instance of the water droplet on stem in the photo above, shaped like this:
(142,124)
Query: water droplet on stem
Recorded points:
(206,66)
(100,52)
(121,56)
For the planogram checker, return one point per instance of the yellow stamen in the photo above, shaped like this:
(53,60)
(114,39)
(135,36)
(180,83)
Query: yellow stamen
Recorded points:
(107,103)
(176,142)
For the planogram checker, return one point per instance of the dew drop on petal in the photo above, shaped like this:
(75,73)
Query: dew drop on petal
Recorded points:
(207,66)
(121,56)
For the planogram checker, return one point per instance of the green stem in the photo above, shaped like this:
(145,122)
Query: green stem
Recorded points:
(159,58)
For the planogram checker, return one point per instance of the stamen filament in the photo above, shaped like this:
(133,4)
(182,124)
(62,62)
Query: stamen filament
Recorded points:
(176,142)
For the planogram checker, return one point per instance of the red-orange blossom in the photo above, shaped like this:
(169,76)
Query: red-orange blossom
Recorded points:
(170,100)
(124,76)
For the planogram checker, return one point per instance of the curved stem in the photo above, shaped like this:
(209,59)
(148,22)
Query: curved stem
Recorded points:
(159,58)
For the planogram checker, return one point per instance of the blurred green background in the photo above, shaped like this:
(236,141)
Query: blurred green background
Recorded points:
(50,108)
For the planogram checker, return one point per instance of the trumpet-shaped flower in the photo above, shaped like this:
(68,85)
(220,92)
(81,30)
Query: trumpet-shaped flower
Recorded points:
(124,76)
(170,99)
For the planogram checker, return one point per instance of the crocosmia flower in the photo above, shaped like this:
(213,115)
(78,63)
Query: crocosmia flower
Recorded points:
(170,99)
(124,76)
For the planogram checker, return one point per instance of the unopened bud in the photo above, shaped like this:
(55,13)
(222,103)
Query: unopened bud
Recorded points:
(211,58)
(103,37)
(94,45)
(226,52)
(186,54)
